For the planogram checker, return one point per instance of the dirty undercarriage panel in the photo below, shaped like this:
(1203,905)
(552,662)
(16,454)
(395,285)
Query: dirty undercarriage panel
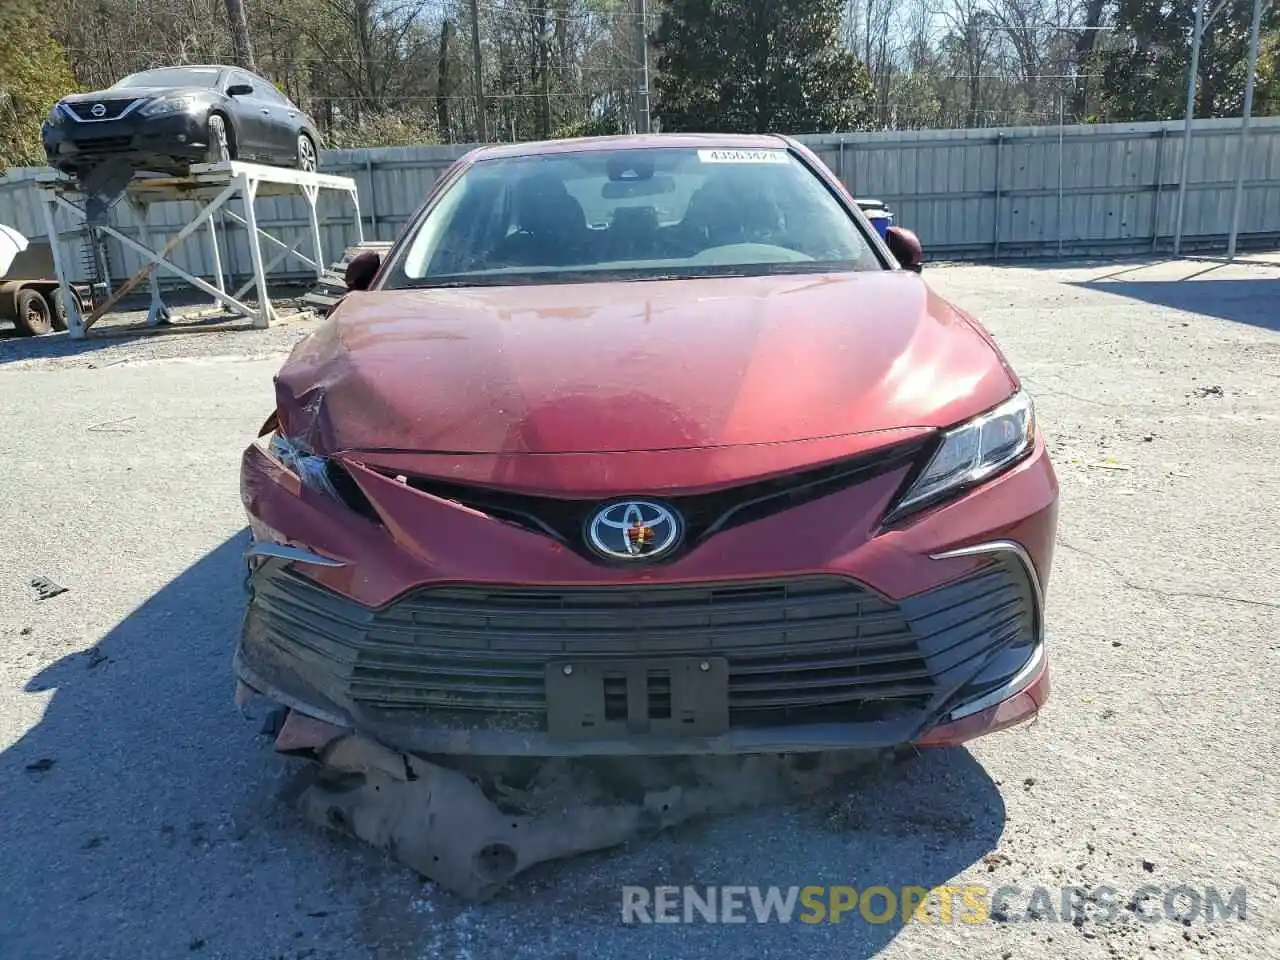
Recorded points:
(471,832)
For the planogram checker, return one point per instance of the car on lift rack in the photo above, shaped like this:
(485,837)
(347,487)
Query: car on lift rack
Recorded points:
(165,120)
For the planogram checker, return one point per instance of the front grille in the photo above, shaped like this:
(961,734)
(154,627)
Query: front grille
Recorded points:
(113,108)
(103,144)
(704,514)
(799,650)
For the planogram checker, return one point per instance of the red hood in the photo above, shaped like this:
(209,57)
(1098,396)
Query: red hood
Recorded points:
(670,365)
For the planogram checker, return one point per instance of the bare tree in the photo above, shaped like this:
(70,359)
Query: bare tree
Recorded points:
(969,45)
(239,24)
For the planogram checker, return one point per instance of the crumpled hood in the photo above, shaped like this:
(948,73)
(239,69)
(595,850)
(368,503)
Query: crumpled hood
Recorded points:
(666,365)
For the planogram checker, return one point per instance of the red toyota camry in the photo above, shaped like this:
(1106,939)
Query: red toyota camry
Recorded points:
(648,445)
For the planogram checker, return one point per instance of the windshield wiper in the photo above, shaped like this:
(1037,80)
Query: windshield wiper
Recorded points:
(685,276)
(442,284)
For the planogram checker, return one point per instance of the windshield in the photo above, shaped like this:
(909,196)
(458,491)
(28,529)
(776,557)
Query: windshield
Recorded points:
(632,214)
(173,77)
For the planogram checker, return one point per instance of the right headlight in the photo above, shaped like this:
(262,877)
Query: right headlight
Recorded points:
(973,452)
(56,117)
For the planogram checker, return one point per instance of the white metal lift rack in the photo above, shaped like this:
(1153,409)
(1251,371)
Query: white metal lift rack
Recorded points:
(214,185)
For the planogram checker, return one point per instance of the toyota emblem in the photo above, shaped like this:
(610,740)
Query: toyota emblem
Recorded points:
(634,530)
(99,110)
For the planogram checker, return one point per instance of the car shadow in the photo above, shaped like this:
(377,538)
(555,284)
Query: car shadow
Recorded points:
(143,818)
(139,816)
(1254,301)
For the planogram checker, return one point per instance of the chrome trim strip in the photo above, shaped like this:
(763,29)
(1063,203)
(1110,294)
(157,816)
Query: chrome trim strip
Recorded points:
(66,108)
(1015,685)
(265,548)
(1023,676)
(1019,551)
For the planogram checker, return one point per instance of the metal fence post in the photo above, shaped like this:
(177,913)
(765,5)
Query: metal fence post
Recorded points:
(1155,208)
(373,196)
(1193,74)
(1061,123)
(1243,148)
(995,240)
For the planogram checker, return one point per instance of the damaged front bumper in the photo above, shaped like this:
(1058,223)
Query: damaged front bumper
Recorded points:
(462,671)
(413,649)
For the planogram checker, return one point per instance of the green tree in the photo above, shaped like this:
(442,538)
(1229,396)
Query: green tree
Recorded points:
(1145,61)
(34,74)
(757,66)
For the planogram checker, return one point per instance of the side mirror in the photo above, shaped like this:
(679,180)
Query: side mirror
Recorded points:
(239,90)
(361,270)
(905,247)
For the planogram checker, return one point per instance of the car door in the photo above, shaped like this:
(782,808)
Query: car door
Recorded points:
(252,115)
(283,121)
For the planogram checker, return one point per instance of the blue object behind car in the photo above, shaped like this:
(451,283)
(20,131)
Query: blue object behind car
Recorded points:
(881,216)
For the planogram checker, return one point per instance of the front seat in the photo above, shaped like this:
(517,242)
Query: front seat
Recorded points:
(725,211)
(551,226)
(633,234)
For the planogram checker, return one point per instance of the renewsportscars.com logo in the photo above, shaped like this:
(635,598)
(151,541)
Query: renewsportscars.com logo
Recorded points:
(958,903)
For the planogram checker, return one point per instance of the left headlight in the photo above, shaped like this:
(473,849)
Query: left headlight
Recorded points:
(167,105)
(311,469)
(974,452)
(317,472)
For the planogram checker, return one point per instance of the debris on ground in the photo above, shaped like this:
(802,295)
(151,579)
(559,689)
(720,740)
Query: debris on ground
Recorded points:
(112,426)
(273,722)
(96,657)
(1202,392)
(43,765)
(46,588)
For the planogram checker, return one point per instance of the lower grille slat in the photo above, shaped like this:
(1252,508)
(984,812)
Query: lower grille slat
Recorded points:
(818,699)
(828,681)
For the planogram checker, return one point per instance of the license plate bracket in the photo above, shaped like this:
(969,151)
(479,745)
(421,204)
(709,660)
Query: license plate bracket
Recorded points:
(603,699)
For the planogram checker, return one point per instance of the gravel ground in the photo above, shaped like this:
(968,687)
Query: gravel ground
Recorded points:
(140,811)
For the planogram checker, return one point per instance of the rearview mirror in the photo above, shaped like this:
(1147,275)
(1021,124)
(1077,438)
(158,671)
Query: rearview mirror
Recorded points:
(630,189)
(905,247)
(239,90)
(361,270)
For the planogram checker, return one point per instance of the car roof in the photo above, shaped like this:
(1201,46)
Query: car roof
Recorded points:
(192,66)
(635,141)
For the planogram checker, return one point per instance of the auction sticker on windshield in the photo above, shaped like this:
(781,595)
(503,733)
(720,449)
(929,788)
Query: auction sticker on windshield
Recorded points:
(742,156)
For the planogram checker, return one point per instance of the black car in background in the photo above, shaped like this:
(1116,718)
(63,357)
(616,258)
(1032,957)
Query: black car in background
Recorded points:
(167,119)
